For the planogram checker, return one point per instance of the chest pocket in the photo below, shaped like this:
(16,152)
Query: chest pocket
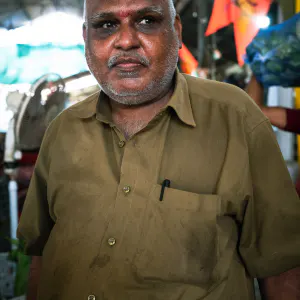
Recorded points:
(185,239)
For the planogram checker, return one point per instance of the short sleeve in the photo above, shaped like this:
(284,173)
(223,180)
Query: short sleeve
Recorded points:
(270,234)
(35,223)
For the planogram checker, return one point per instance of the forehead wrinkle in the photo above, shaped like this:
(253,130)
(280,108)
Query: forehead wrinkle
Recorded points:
(154,8)
(126,12)
(151,9)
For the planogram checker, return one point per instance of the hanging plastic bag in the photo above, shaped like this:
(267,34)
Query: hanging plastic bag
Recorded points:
(274,54)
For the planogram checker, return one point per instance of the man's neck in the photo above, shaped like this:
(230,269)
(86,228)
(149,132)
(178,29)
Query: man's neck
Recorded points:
(131,119)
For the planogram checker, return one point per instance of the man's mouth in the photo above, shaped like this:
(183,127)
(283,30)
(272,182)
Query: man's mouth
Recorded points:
(127,63)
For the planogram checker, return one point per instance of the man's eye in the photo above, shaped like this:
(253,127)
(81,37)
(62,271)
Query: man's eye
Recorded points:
(147,21)
(105,25)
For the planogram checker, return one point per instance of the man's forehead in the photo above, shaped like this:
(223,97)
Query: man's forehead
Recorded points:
(122,7)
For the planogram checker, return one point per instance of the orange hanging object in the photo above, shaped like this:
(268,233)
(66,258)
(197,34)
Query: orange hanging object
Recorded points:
(224,13)
(188,61)
(243,14)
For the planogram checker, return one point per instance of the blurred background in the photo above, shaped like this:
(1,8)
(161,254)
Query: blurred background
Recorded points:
(43,71)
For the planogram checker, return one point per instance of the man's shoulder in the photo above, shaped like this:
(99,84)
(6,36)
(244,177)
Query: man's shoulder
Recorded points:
(218,94)
(81,110)
(85,108)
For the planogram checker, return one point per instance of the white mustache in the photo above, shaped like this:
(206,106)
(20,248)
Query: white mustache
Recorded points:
(114,59)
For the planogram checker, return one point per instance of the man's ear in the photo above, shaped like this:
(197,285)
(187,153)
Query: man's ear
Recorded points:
(178,28)
(84,33)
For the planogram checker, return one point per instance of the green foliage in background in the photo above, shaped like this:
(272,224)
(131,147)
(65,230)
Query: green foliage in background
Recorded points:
(22,270)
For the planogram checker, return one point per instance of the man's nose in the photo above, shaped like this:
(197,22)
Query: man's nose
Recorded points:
(127,38)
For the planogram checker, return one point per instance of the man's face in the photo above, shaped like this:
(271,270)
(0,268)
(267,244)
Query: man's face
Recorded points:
(132,47)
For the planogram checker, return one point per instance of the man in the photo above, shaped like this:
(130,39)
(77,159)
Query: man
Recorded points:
(161,186)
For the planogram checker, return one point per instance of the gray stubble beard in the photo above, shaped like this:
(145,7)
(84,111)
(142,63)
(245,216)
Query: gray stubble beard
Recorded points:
(154,89)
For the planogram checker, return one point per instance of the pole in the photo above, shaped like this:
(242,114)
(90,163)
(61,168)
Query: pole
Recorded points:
(202,19)
(10,168)
(213,61)
(13,208)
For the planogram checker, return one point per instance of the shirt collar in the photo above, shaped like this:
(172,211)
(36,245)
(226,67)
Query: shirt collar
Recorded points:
(181,102)
(96,104)
(87,108)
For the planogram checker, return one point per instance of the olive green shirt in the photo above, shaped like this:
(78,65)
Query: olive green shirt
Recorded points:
(93,210)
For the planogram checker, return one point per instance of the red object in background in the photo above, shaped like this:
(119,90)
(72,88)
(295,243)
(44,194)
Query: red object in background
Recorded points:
(242,14)
(24,174)
(188,61)
(224,13)
(28,158)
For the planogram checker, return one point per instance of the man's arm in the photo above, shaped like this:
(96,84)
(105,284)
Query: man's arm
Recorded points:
(276,115)
(36,222)
(285,286)
(270,236)
(256,91)
(34,277)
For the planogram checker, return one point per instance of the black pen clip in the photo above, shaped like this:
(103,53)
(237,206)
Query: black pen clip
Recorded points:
(166,183)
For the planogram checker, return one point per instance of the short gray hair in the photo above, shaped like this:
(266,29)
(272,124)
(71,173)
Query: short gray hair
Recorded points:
(172,9)
(171,3)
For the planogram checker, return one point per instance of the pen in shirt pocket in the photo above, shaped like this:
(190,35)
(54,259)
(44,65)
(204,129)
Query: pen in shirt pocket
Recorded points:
(166,183)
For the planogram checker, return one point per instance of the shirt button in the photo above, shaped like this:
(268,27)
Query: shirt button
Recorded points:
(91,297)
(126,189)
(111,241)
(121,144)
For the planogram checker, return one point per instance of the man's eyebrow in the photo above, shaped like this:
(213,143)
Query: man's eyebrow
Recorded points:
(100,15)
(110,14)
(150,9)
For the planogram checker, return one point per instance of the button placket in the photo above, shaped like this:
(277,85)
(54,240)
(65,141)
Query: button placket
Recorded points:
(118,223)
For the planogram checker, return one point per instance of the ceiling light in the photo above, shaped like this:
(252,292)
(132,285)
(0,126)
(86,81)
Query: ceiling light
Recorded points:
(262,21)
